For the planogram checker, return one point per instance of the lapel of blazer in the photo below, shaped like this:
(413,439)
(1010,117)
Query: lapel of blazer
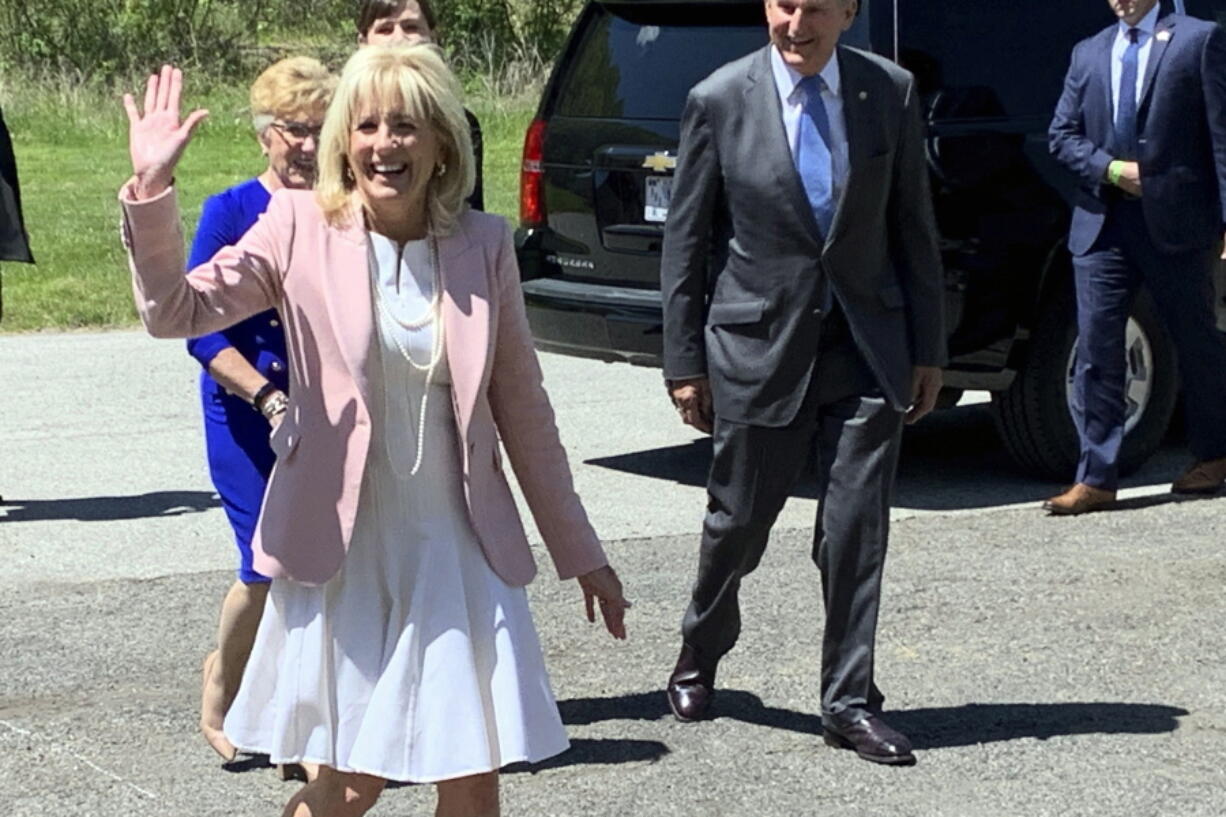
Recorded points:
(1163,33)
(1100,77)
(856,120)
(466,321)
(349,304)
(762,101)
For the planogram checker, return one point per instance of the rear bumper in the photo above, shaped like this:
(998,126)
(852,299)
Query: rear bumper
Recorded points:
(596,321)
(622,324)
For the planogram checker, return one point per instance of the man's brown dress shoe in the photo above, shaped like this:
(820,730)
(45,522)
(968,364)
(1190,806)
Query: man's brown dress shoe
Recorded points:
(1202,478)
(872,739)
(1081,498)
(691,686)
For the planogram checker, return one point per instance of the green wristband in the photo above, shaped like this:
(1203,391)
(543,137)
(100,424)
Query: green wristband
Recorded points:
(1114,170)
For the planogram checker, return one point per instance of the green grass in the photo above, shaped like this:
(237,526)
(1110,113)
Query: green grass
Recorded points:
(71,151)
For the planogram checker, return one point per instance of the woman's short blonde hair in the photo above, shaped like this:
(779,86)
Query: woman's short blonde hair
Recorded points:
(415,80)
(292,87)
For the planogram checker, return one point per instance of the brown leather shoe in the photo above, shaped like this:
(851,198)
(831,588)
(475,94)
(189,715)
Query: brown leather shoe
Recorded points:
(691,686)
(1079,499)
(872,739)
(1202,478)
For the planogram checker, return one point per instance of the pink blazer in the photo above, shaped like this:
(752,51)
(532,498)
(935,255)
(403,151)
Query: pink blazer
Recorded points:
(317,276)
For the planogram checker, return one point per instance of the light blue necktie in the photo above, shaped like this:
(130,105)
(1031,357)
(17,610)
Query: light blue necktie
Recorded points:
(1126,111)
(814,161)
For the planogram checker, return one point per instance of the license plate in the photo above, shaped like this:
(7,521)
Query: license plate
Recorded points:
(659,195)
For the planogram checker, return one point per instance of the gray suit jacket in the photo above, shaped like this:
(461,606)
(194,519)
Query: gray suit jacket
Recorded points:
(743,257)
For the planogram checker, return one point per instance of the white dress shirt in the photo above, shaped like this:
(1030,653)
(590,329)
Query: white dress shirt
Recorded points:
(1146,26)
(792,100)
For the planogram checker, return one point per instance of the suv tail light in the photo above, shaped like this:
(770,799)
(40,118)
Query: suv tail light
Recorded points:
(532,177)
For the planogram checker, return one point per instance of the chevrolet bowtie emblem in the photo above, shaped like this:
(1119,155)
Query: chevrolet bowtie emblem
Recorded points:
(660,162)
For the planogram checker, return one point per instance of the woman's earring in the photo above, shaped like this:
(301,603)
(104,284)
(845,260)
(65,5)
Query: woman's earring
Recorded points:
(348,174)
(441,170)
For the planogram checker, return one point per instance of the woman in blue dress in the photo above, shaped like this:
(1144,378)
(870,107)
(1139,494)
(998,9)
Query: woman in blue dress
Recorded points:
(244,377)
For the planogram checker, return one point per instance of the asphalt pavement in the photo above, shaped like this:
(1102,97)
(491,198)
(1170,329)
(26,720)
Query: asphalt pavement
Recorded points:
(1041,666)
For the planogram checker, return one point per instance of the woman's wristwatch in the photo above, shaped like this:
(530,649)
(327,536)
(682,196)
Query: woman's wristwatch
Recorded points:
(270,401)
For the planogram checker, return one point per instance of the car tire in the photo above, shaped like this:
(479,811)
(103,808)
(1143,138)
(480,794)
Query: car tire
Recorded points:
(1033,417)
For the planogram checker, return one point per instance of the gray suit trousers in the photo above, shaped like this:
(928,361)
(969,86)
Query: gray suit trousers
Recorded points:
(855,433)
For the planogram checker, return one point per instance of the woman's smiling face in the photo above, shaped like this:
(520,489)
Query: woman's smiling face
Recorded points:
(392,157)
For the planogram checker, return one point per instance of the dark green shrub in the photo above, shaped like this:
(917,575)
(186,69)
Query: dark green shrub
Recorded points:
(104,40)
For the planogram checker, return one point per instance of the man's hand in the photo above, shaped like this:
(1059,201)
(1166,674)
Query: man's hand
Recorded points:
(925,386)
(693,401)
(1130,178)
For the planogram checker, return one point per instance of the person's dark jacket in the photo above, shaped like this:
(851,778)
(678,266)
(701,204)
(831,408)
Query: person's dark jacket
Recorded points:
(14,243)
(1182,130)
(477,199)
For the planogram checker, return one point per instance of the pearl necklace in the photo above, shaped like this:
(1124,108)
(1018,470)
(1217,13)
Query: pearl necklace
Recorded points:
(432,316)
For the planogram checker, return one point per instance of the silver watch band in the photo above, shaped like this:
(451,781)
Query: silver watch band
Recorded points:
(274,404)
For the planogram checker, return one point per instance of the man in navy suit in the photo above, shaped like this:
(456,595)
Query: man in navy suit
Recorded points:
(1142,122)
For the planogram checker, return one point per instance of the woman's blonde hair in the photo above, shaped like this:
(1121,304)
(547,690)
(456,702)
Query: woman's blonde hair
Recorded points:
(290,87)
(412,79)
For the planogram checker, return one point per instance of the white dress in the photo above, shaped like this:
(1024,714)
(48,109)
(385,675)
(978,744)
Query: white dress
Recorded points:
(416,662)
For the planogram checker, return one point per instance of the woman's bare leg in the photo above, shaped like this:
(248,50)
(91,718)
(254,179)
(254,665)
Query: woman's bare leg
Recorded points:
(335,794)
(223,669)
(475,796)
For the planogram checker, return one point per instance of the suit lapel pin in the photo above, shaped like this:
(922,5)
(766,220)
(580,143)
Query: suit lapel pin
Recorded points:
(863,95)
(1162,36)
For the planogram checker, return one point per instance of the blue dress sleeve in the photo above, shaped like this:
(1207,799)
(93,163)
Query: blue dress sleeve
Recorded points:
(215,231)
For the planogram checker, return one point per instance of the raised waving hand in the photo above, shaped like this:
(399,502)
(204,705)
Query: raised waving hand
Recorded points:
(157,139)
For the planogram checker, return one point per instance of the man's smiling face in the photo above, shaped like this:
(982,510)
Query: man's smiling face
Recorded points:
(807,31)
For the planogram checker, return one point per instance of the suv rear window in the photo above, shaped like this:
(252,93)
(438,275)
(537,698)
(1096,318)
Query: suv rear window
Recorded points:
(640,61)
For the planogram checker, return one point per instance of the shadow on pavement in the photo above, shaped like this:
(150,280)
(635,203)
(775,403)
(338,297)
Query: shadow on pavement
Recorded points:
(582,752)
(1138,502)
(952,460)
(967,725)
(596,752)
(108,508)
(934,728)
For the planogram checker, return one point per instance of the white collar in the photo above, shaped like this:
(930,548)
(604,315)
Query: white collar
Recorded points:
(1146,24)
(787,77)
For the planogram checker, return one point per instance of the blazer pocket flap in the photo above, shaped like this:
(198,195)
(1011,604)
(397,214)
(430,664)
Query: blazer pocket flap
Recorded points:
(891,298)
(736,312)
(284,438)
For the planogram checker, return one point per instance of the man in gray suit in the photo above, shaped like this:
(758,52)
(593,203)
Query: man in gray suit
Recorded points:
(802,315)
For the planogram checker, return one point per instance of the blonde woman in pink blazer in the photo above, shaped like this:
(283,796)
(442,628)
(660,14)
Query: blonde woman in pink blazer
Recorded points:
(397,641)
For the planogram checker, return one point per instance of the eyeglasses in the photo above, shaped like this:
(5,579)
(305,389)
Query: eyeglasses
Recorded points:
(297,131)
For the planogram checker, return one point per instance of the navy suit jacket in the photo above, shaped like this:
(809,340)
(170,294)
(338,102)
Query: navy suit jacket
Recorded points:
(1182,135)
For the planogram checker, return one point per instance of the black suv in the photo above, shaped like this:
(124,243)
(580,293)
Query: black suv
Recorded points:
(597,177)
